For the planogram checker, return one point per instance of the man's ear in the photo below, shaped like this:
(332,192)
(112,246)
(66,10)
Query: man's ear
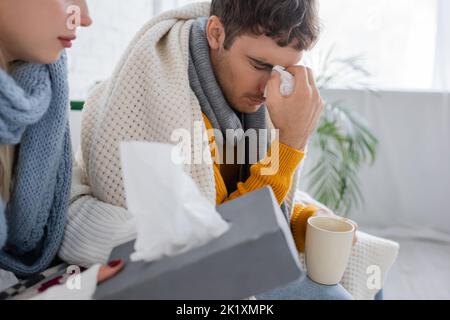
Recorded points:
(215,32)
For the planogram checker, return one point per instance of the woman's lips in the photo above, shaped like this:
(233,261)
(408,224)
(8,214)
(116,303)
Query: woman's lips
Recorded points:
(67,41)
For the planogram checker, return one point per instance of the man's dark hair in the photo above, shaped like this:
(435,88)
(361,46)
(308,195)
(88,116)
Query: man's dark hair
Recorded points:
(289,22)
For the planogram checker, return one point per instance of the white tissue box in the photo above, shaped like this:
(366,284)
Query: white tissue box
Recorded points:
(256,255)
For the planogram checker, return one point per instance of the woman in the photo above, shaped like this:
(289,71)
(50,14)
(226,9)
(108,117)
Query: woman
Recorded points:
(35,151)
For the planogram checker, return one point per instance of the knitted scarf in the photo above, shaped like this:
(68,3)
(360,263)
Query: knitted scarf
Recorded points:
(34,115)
(214,105)
(212,102)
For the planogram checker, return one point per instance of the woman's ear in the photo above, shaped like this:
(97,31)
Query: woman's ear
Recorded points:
(215,32)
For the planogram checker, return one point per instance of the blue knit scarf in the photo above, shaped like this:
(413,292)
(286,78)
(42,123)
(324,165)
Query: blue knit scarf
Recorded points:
(34,116)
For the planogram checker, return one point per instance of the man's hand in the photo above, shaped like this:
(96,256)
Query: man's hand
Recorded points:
(297,115)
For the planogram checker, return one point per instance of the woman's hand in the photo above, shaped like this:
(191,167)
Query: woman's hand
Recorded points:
(108,271)
(105,272)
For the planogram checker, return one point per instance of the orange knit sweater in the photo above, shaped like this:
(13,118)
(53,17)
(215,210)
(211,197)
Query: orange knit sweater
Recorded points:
(289,159)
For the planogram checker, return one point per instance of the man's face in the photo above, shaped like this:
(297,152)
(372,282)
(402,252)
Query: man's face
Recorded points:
(244,69)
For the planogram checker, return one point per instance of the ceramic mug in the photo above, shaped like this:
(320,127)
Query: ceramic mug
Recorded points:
(328,244)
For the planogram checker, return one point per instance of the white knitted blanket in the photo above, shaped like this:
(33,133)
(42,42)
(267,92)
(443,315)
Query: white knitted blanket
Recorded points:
(147,98)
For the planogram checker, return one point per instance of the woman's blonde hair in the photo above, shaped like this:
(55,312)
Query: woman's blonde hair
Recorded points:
(6,155)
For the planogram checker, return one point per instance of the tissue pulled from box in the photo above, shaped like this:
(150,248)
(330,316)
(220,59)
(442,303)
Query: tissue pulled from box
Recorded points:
(171,214)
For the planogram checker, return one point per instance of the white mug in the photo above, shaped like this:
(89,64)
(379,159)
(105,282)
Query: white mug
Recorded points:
(328,244)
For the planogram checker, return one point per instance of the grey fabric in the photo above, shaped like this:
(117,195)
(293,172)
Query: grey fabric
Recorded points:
(215,106)
(212,101)
(204,84)
(306,289)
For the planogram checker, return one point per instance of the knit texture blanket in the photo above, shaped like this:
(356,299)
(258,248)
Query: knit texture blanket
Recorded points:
(147,97)
(34,116)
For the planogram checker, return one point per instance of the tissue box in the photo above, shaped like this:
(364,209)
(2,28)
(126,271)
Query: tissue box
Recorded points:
(256,255)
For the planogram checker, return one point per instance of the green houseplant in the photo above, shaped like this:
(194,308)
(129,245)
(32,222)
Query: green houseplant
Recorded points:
(343,142)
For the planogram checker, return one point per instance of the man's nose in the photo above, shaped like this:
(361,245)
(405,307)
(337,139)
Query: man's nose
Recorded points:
(263,83)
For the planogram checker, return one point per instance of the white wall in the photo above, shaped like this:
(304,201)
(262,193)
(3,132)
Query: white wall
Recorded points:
(75,129)
(99,47)
(409,185)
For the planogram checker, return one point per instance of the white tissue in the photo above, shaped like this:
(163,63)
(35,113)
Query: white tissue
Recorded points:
(171,215)
(287,82)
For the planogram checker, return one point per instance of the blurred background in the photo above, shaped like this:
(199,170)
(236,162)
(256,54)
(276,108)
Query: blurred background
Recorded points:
(381,154)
